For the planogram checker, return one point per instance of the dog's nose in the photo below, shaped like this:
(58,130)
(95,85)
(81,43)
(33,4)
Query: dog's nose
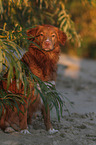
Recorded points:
(47,43)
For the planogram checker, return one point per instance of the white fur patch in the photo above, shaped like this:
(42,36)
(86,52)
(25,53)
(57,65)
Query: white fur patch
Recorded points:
(52,131)
(9,130)
(25,131)
(47,39)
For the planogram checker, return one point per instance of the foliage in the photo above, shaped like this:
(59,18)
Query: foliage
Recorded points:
(9,99)
(61,13)
(83,13)
(91,2)
(67,25)
(38,12)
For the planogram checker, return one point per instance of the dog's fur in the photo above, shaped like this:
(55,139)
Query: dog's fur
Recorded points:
(42,63)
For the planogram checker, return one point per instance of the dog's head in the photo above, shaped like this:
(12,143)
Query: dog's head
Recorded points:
(46,36)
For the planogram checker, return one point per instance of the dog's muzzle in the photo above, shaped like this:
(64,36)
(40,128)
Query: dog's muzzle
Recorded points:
(47,45)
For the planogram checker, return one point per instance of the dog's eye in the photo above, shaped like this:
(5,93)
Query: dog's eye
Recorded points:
(41,34)
(53,35)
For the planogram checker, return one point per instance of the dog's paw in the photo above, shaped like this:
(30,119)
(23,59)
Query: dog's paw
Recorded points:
(25,131)
(9,130)
(52,131)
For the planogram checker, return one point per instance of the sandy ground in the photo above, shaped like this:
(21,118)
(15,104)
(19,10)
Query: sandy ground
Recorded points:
(77,81)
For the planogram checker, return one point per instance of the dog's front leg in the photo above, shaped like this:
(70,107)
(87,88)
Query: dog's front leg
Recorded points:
(47,121)
(23,119)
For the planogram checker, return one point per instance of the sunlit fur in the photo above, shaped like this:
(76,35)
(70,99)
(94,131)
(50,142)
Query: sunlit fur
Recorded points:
(43,63)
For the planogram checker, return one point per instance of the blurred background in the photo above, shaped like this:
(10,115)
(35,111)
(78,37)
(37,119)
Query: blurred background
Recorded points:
(76,18)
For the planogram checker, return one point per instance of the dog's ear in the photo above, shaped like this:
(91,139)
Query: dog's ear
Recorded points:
(62,37)
(31,33)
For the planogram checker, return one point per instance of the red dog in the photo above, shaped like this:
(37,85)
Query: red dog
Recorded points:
(42,63)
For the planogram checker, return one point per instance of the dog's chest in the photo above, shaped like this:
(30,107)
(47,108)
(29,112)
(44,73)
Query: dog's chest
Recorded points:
(46,66)
(42,65)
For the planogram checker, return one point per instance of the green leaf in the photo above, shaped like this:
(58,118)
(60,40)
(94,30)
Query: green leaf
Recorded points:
(1,58)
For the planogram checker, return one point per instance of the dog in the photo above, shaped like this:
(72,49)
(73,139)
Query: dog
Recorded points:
(42,61)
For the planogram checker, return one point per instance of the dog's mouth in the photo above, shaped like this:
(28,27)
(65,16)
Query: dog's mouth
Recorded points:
(47,46)
(48,49)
